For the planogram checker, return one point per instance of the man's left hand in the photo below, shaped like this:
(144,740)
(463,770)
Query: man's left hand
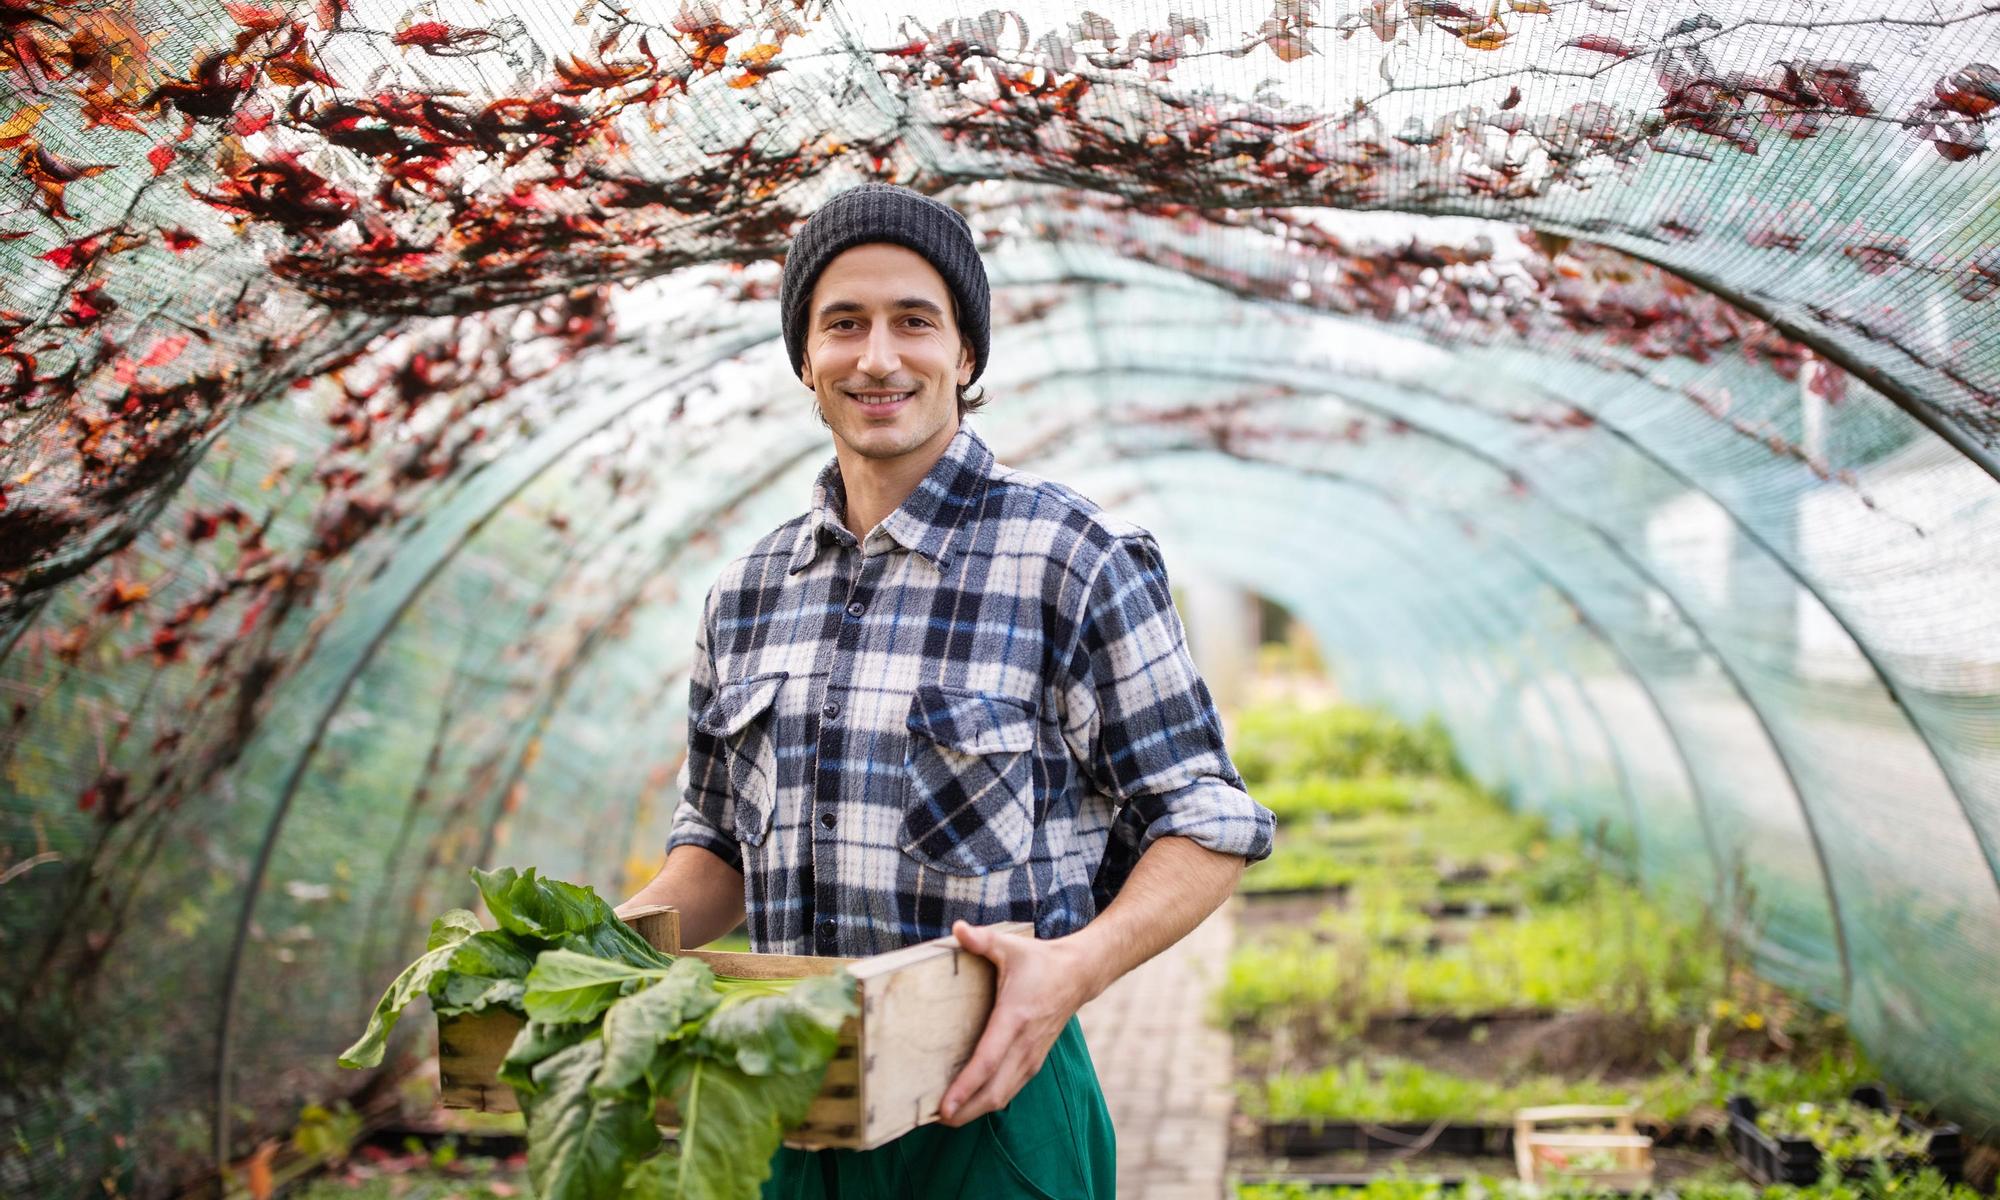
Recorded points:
(1041,986)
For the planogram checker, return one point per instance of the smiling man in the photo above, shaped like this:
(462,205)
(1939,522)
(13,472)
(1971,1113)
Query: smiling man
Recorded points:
(949,695)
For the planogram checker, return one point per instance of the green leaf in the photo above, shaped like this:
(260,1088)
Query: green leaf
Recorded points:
(454,926)
(762,1032)
(638,1025)
(537,1041)
(731,1125)
(616,940)
(472,993)
(487,968)
(580,1146)
(543,908)
(566,986)
(413,982)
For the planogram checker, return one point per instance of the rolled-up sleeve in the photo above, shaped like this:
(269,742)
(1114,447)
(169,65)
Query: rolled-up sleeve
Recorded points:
(704,816)
(1141,722)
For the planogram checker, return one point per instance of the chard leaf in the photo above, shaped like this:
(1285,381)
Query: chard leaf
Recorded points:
(454,926)
(580,1147)
(731,1125)
(567,986)
(542,908)
(638,1025)
(472,993)
(537,1041)
(765,1033)
(446,933)
(617,941)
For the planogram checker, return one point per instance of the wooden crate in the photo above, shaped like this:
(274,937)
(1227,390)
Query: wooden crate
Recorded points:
(1544,1137)
(922,1011)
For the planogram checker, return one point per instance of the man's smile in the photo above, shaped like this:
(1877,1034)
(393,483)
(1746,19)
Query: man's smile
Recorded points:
(880,404)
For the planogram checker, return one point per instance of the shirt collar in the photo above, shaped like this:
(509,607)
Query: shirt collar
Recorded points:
(928,516)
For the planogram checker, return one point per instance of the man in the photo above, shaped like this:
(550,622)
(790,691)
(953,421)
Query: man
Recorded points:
(949,695)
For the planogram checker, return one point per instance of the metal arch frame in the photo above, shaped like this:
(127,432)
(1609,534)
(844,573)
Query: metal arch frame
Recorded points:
(1803,336)
(569,438)
(558,684)
(1639,570)
(1890,384)
(1989,847)
(1697,790)
(1551,706)
(1301,606)
(1956,786)
(1422,569)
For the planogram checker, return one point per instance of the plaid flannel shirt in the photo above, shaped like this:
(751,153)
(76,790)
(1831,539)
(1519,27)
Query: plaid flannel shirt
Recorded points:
(983,710)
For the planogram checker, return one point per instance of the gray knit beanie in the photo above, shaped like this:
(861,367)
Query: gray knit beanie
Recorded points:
(883,212)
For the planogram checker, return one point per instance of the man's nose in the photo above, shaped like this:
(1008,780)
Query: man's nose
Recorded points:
(878,355)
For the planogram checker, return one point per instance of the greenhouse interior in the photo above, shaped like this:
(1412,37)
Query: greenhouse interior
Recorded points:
(1571,427)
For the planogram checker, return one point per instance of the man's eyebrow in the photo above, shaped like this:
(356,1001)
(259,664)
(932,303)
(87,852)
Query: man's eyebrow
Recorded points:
(917,303)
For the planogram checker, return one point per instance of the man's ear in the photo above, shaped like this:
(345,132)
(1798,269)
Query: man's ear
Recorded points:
(964,363)
(806,370)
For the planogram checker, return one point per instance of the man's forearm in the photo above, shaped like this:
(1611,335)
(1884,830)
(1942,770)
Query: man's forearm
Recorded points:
(1175,885)
(707,891)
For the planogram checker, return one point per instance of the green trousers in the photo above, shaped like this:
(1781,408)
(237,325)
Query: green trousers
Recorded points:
(1053,1141)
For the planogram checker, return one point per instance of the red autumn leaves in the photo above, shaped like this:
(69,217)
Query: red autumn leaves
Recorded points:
(1962,104)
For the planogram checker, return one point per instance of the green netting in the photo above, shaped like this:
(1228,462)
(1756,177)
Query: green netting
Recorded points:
(384,386)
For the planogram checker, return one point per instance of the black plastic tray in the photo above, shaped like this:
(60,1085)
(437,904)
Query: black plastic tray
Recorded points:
(1471,1139)
(1475,910)
(1446,1027)
(1302,1139)
(1331,891)
(1796,1161)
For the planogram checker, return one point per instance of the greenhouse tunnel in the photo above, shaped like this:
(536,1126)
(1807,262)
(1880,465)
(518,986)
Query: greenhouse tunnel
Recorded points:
(1619,385)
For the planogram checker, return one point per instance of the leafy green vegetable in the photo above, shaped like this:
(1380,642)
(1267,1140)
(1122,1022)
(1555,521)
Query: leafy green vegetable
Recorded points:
(542,908)
(1845,1130)
(731,1125)
(446,932)
(567,986)
(537,1041)
(562,914)
(779,1032)
(613,1029)
(581,1144)
(637,1026)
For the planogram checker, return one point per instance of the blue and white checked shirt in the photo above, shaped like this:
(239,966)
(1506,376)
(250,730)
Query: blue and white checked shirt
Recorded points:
(984,710)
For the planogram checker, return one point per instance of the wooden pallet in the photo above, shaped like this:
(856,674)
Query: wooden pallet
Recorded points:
(922,1011)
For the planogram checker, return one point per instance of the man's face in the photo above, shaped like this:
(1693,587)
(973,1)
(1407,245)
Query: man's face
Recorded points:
(882,354)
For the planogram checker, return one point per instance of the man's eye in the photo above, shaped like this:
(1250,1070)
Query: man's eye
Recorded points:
(920,321)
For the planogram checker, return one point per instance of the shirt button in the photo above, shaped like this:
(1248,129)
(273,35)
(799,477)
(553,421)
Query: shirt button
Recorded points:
(831,710)
(826,930)
(856,609)
(826,819)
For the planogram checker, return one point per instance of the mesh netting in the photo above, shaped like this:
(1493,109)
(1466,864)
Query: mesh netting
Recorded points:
(384,385)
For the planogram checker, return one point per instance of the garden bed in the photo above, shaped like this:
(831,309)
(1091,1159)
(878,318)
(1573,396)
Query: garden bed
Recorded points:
(1413,977)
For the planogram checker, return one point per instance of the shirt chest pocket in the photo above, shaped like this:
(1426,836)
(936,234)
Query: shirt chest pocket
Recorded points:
(743,715)
(971,780)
